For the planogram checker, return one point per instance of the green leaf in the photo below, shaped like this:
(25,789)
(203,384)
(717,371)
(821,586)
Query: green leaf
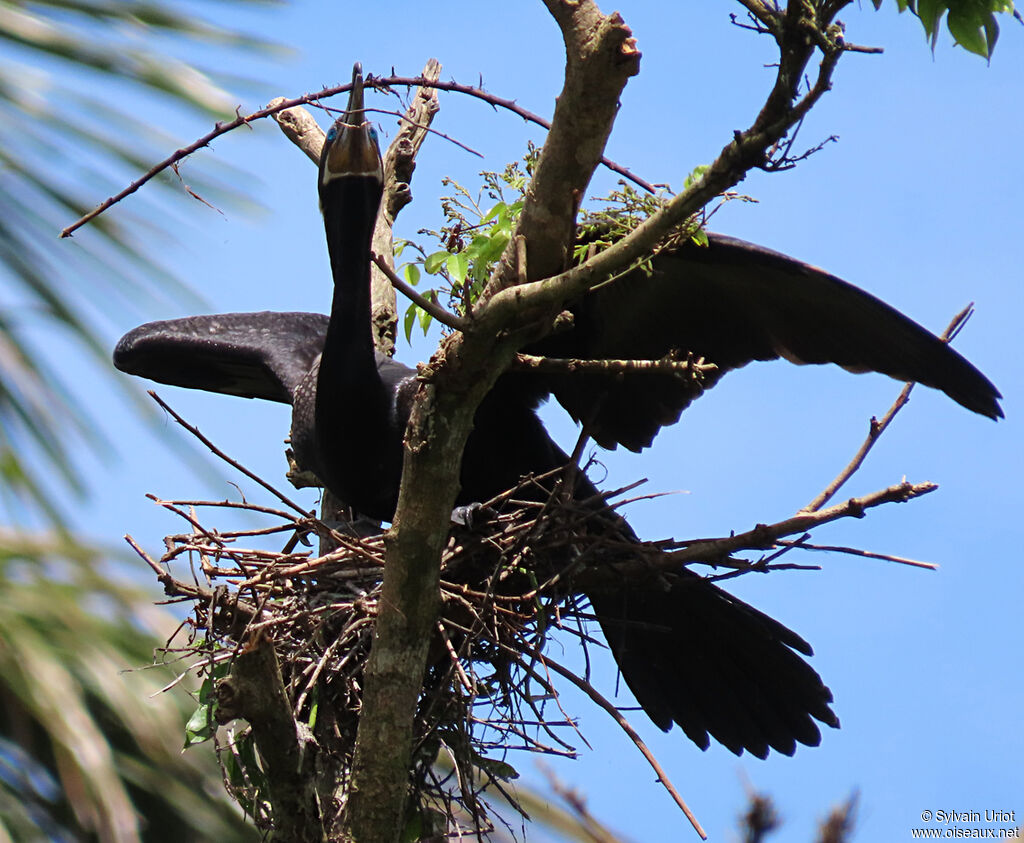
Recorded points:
(494,247)
(930,12)
(695,175)
(975,33)
(500,208)
(412,273)
(426,318)
(200,727)
(408,320)
(457,265)
(972,23)
(432,263)
(498,769)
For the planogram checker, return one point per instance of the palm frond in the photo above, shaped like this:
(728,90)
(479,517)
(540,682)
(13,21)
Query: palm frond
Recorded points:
(62,148)
(88,744)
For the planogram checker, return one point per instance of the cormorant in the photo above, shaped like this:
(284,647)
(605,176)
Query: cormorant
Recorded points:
(690,652)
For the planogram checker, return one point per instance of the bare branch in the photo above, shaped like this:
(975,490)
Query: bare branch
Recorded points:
(694,370)
(764,536)
(645,560)
(447,319)
(634,736)
(234,463)
(877,428)
(301,128)
(854,551)
(279,105)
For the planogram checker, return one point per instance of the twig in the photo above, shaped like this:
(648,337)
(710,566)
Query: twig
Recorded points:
(695,369)
(165,578)
(279,105)
(624,724)
(439,313)
(877,428)
(217,541)
(226,504)
(854,551)
(429,130)
(766,535)
(233,463)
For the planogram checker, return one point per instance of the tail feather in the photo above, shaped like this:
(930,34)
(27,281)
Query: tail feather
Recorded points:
(694,655)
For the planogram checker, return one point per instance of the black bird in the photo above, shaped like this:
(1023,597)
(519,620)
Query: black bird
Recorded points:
(690,652)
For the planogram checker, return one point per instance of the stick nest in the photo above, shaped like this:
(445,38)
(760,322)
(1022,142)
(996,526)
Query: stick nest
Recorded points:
(281,638)
(275,628)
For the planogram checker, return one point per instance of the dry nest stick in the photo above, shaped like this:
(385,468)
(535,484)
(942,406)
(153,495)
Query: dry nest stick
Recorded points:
(504,585)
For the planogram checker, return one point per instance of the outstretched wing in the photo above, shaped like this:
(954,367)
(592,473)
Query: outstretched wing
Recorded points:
(733,302)
(254,355)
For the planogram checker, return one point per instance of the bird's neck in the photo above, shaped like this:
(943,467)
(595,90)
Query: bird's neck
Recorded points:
(349,217)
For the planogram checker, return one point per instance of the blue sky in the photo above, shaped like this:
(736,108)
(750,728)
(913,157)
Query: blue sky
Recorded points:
(918,202)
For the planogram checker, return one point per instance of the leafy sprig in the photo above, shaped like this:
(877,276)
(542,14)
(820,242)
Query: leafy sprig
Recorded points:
(474,235)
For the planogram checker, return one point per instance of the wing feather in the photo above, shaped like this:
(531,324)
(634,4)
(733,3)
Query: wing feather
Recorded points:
(731,303)
(254,355)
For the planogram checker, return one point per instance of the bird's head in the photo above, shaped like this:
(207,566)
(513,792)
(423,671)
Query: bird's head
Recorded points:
(351,150)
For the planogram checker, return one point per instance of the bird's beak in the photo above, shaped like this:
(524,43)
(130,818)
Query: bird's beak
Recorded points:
(351,147)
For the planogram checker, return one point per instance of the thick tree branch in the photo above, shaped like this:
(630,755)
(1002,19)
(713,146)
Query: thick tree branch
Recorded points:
(255,691)
(747,149)
(300,127)
(399,163)
(601,57)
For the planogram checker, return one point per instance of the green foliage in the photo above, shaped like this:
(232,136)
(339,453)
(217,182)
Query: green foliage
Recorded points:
(245,777)
(473,238)
(201,726)
(89,746)
(971,22)
(625,209)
